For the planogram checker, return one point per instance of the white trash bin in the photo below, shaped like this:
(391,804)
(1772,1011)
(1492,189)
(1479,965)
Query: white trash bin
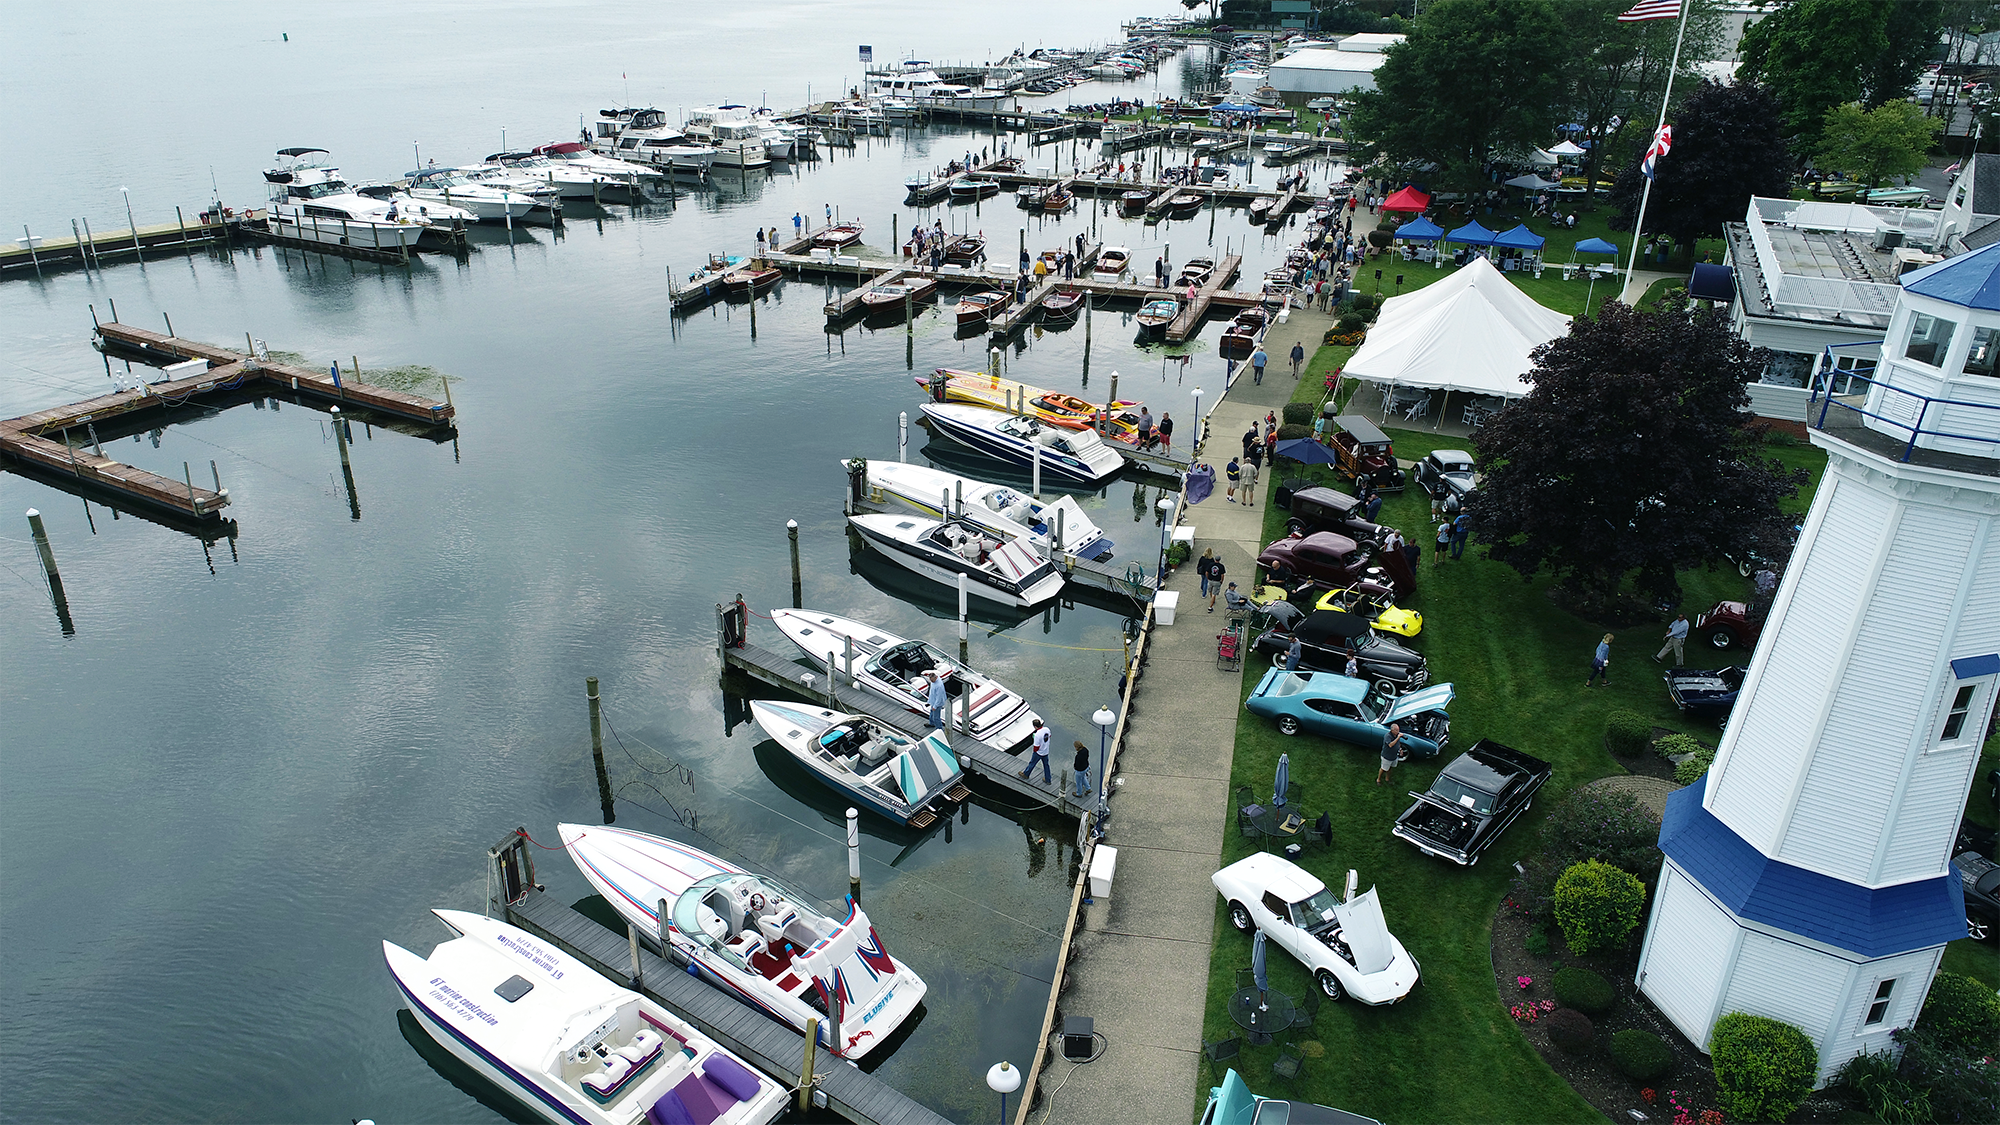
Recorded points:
(1164,604)
(1103,865)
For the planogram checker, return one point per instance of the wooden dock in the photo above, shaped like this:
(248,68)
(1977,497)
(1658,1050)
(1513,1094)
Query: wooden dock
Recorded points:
(843,306)
(1191,314)
(74,248)
(1006,323)
(764,1043)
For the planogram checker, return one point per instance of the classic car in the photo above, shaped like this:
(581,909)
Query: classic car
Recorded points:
(1472,801)
(1445,472)
(1728,625)
(1335,560)
(1377,603)
(1353,710)
(1232,1103)
(1345,945)
(1325,509)
(1979,876)
(1324,637)
(1362,450)
(1705,693)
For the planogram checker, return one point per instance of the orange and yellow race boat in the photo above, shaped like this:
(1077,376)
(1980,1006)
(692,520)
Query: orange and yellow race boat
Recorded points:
(1053,407)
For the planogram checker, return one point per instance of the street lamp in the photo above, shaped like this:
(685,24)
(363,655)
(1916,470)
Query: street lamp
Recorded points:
(1003,1078)
(1166,533)
(1105,718)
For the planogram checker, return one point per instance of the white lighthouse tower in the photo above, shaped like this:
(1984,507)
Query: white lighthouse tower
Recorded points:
(1808,877)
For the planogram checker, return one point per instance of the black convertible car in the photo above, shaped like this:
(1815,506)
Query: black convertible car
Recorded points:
(1980,878)
(1705,694)
(1472,801)
(1324,635)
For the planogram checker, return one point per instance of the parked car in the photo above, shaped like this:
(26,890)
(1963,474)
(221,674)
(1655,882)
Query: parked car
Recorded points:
(1346,946)
(1361,449)
(1705,694)
(1324,636)
(1445,472)
(1979,876)
(1351,710)
(1728,625)
(1336,560)
(1472,802)
(1377,603)
(1326,509)
(1232,1103)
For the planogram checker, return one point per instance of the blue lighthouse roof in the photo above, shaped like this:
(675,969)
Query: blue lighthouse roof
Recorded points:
(1972,280)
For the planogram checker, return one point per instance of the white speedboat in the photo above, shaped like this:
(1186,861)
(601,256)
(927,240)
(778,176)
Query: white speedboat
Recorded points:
(999,570)
(644,137)
(878,767)
(753,937)
(1073,455)
(994,508)
(568,1043)
(569,181)
(891,666)
(917,85)
(310,201)
(627,172)
(454,188)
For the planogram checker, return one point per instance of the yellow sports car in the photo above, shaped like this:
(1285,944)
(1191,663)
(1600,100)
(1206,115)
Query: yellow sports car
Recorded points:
(1372,601)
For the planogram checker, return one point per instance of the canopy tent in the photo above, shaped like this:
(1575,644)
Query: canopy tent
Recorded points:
(1567,148)
(1711,282)
(1471,234)
(1407,199)
(1595,246)
(1235,107)
(1519,238)
(1531,182)
(1542,158)
(1471,330)
(1420,229)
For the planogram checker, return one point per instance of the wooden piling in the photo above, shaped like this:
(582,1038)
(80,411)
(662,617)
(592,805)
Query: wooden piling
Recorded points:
(792,533)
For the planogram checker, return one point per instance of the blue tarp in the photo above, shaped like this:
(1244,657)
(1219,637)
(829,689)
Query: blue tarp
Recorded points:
(1471,234)
(1305,450)
(1420,229)
(1520,238)
(1595,246)
(1234,107)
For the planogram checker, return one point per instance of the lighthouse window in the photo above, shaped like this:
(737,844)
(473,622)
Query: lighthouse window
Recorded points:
(1979,360)
(1878,1010)
(1930,339)
(1961,706)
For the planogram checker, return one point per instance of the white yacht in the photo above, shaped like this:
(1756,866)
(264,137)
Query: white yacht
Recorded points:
(454,188)
(311,201)
(799,138)
(644,137)
(570,181)
(619,171)
(916,84)
(739,142)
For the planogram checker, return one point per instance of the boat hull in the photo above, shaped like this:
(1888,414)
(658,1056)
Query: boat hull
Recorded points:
(1059,466)
(944,568)
(349,232)
(797,726)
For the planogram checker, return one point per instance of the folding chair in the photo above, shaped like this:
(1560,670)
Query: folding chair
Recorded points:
(1221,1051)
(1290,1063)
(1308,1009)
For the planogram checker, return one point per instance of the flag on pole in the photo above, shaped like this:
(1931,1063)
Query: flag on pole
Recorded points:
(1652,10)
(1663,143)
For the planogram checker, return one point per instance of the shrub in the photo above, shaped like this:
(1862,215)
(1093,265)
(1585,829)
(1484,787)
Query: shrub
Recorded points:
(1871,1079)
(1363,302)
(1626,733)
(1588,823)
(1537,942)
(1962,1085)
(1178,554)
(1293,430)
(1380,237)
(1673,745)
(1298,413)
(1690,768)
(1571,1030)
(1961,1014)
(1351,323)
(1584,990)
(1763,1067)
(1641,1055)
(1597,905)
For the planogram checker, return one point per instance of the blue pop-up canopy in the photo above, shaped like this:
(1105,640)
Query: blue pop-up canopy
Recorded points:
(1595,246)
(1520,238)
(1420,229)
(1471,234)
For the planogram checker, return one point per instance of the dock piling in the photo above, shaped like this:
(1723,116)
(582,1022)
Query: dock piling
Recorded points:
(1037,490)
(806,1070)
(32,256)
(849,666)
(186,473)
(597,756)
(135,225)
(798,594)
(854,855)
(82,253)
(638,979)
(42,547)
(91,429)
(903,437)
(90,242)
(170,323)
(964,590)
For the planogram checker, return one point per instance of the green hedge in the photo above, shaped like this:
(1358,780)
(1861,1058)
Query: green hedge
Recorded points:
(1641,1055)
(1597,906)
(1961,1014)
(1689,769)
(1584,990)
(1626,733)
(1291,430)
(1670,745)
(1298,414)
(1764,1068)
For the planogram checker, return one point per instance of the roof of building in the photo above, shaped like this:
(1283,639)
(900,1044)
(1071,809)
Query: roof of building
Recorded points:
(1971,280)
(1814,261)
(1876,922)
(1985,172)
(1320,59)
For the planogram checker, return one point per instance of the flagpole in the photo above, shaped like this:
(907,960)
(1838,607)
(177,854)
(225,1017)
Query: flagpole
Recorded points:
(1646,194)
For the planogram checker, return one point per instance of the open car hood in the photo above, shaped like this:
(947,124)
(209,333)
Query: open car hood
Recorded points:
(1367,934)
(1433,698)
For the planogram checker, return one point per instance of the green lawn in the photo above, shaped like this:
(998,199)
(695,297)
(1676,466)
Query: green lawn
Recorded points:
(1451,1051)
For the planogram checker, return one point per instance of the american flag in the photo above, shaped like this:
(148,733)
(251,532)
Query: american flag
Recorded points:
(1653,10)
(1663,143)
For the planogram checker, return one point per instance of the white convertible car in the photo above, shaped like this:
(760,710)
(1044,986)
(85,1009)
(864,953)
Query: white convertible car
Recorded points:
(1346,945)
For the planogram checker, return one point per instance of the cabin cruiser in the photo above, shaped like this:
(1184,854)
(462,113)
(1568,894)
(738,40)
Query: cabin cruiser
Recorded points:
(739,141)
(917,85)
(619,171)
(643,136)
(312,202)
(570,181)
(455,188)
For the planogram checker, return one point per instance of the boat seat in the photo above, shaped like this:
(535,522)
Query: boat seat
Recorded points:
(710,922)
(876,751)
(604,1085)
(772,925)
(644,1045)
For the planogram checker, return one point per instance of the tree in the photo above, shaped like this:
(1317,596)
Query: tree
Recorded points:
(1816,54)
(1620,68)
(1874,145)
(1630,455)
(1428,107)
(1726,148)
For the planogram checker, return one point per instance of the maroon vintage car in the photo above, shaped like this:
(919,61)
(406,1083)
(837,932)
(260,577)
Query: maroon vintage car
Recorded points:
(1335,560)
(1729,625)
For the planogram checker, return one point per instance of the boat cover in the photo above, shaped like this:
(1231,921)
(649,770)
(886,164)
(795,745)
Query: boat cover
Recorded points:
(925,770)
(1015,560)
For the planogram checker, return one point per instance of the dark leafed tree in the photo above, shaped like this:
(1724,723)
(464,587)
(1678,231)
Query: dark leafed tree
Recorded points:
(1473,76)
(1631,456)
(1727,147)
(1620,68)
(1817,54)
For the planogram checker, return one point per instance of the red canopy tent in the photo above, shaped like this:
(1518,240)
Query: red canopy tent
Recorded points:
(1408,199)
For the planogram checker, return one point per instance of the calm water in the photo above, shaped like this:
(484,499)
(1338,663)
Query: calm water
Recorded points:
(252,762)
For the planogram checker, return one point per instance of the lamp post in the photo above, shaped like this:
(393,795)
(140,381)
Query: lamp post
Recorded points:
(1166,533)
(1194,446)
(1003,1078)
(1105,718)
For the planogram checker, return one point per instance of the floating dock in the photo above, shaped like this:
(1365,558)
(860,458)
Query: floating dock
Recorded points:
(764,1043)
(1191,314)
(29,255)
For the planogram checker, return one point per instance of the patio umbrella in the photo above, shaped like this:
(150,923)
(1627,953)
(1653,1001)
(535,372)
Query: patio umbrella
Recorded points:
(1200,482)
(1283,781)
(1284,614)
(1306,451)
(1257,967)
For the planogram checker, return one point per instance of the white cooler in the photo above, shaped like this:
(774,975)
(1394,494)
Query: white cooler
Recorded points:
(1164,604)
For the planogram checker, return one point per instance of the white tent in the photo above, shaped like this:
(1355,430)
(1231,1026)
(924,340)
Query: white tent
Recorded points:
(1567,148)
(1470,331)
(1531,182)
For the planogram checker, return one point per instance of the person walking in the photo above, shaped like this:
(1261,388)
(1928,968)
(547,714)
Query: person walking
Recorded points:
(1298,356)
(1250,469)
(1677,635)
(1443,544)
(1257,361)
(1392,752)
(1203,568)
(1600,662)
(1216,574)
(1250,439)
(1082,767)
(1293,652)
(1040,754)
(938,699)
(1353,662)
(1373,506)
(1235,470)
(1461,530)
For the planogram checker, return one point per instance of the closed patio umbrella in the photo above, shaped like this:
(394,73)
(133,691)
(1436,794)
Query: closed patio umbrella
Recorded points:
(1257,968)
(1283,781)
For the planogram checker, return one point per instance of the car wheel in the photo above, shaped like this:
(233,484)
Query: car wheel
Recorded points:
(1288,724)
(1239,916)
(1295,526)
(1743,567)
(1389,688)
(1718,638)
(1330,984)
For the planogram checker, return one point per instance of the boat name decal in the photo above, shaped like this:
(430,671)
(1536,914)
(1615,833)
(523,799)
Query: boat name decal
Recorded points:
(458,1004)
(872,1012)
(543,959)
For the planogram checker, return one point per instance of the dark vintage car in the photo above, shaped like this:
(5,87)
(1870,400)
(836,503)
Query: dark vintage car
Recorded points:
(1325,509)
(1979,876)
(1447,472)
(1472,801)
(1334,560)
(1728,625)
(1324,636)
(1705,694)
(1361,449)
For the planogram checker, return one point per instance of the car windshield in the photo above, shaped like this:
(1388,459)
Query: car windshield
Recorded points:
(1315,910)
(1376,703)
(1453,792)
(1288,685)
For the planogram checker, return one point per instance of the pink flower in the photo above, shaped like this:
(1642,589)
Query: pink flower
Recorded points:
(1524,982)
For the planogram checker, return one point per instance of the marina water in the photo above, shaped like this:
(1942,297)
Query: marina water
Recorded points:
(254,760)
